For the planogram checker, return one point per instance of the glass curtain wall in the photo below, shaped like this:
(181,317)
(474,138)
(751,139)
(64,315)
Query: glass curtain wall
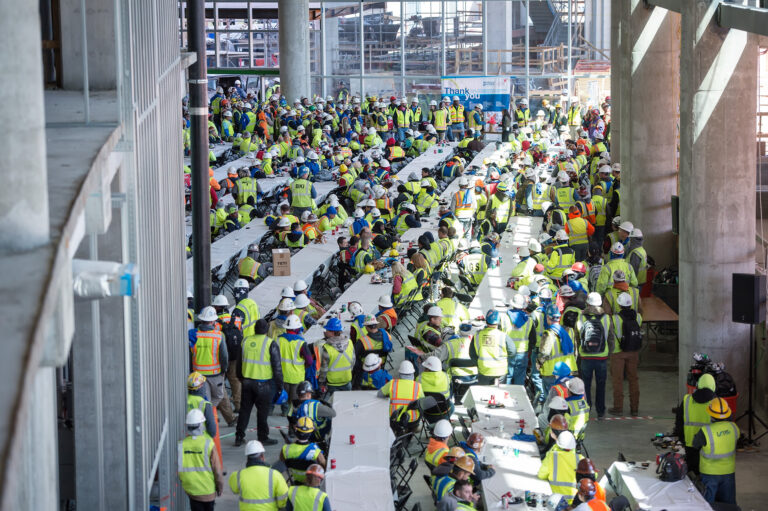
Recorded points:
(403,47)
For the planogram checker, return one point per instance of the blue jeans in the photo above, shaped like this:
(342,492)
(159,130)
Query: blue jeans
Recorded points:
(401,134)
(457,131)
(599,368)
(334,388)
(538,384)
(517,367)
(719,488)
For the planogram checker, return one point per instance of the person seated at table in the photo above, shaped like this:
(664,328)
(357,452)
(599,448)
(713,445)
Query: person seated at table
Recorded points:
(337,359)
(315,309)
(436,383)
(293,237)
(472,447)
(387,315)
(309,496)
(285,308)
(299,455)
(428,335)
(578,408)
(586,470)
(461,497)
(403,284)
(357,321)
(454,312)
(302,311)
(232,221)
(374,376)
(406,219)
(421,270)
(320,412)
(437,447)
(588,499)
(249,267)
(309,227)
(359,223)
(371,339)
(402,391)
(461,470)
(563,458)
(366,254)
(330,219)
(554,426)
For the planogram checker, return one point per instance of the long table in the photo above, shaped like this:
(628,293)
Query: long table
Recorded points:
(514,472)
(646,491)
(361,477)
(429,158)
(218,150)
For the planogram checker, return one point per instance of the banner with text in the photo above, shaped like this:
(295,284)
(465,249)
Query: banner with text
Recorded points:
(490,91)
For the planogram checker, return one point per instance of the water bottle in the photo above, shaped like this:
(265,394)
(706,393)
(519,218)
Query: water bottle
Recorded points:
(501,427)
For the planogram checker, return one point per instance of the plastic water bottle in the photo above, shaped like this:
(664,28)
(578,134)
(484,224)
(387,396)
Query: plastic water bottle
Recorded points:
(501,427)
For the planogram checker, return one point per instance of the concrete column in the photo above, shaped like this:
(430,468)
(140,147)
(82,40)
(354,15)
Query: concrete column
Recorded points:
(295,78)
(24,195)
(717,185)
(102,54)
(499,32)
(648,50)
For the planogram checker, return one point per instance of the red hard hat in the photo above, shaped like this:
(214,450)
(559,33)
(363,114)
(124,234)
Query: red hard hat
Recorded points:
(392,98)
(390,142)
(526,145)
(579,267)
(539,268)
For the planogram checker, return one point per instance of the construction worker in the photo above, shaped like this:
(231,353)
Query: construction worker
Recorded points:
(579,232)
(625,356)
(302,311)
(491,349)
(427,333)
(522,113)
(246,312)
(209,357)
(473,446)
(300,455)
(196,399)
(615,262)
(248,267)
(373,375)
(320,412)
(261,373)
(559,465)
(435,382)
(302,193)
(586,470)
(456,113)
(556,345)
(692,415)
(500,208)
(462,470)
(402,391)
(371,339)
(258,486)
(200,469)
(245,187)
(594,332)
(587,496)
(620,285)
(437,447)
(638,258)
(461,497)
(337,356)
(717,454)
(464,205)
(562,256)
(518,326)
(578,408)
(295,356)
(309,497)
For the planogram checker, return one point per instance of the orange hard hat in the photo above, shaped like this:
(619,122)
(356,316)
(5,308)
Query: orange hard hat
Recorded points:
(210,171)
(316,470)
(558,423)
(480,183)
(455,453)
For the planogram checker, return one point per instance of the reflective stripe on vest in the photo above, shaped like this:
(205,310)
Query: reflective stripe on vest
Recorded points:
(578,231)
(491,352)
(269,488)
(693,421)
(403,393)
(440,119)
(463,201)
(290,359)
(301,194)
(340,364)
(255,364)
(246,187)
(194,465)
(555,474)
(301,501)
(718,455)
(457,114)
(206,353)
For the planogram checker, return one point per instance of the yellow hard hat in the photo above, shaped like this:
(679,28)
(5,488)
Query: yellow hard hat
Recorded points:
(395,244)
(456,452)
(394,253)
(719,409)
(465,463)
(305,425)
(369,268)
(195,380)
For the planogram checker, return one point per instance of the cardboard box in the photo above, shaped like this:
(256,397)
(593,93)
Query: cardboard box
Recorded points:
(281,262)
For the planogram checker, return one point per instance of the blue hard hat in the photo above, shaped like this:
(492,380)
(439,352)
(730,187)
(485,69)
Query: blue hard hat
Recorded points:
(280,398)
(492,318)
(303,170)
(465,327)
(331,210)
(334,325)
(552,311)
(562,369)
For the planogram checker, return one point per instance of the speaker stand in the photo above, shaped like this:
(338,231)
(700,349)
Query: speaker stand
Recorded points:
(750,414)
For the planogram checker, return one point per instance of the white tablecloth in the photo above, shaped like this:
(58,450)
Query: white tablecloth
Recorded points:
(645,490)
(515,473)
(361,477)
(218,150)
(489,151)
(429,158)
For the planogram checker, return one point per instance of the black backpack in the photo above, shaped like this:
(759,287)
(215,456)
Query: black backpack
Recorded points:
(672,467)
(592,335)
(631,335)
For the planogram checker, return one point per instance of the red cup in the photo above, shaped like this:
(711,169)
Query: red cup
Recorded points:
(352,439)
(506,395)
(333,463)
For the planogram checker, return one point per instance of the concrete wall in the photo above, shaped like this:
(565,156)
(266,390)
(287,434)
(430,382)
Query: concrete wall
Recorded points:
(100,23)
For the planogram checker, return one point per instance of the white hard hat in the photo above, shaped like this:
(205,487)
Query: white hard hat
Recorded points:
(605,169)
(301,301)
(355,309)
(435,312)
(446,99)
(540,113)
(385,301)
(463,182)
(299,286)
(575,385)
(409,207)
(594,299)
(530,174)
(406,368)
(220,301)
(284,222)
(333,200)
(359,213)
(534,245)
(524,291)
(207,314)
(443,428)
(247,106)
(384,164)
(544,207)
(561,235)
(562,176)
(220,90)
(558,403)
(305,216)
(455,98)
(375,213)
(518,301)
(636,233)
(626,226)
(328,98)
(301,128)
(370,203)
(566,290)
(371,131)
(431,129)
(283,129)
(189,294)
(287,292)
(425,183)
(286,305)
(433,364)
(479,106)
(566,441)
(312,155)
(194,417)
(523,252)
(624,300)
(292,322)
(254,447)
(238,82)
(372,361)
(616,167)
(242,283)
(433,103)
(617,248)
(228,113)
(545,292)
(523,101)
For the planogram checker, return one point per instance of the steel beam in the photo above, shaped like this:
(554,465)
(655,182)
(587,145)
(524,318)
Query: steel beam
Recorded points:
(670,5)
(739,17)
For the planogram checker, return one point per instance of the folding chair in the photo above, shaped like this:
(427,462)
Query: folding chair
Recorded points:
(459,387)
(466,429)
(428,480)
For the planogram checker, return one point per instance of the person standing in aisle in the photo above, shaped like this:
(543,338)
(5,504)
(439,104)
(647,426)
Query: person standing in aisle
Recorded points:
(200,469)
(261,374)
(594,330)
(258,486)
(717,454)
(309,497)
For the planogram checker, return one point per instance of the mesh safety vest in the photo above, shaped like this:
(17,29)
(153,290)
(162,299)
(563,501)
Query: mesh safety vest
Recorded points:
(340,364)
(491,352)
(206,353)
(255,357)
(194,461)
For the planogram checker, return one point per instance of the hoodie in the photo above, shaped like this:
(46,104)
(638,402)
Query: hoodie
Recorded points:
(701,396)
(340,343)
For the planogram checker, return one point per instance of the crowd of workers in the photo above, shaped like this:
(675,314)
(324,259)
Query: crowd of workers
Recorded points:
(573,312)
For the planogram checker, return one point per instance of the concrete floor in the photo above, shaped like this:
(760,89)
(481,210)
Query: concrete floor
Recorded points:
(658,377)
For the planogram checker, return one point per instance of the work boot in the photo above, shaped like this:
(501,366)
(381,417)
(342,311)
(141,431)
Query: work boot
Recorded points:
(616,411)
(239,441)
(634,413)
(268,441)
